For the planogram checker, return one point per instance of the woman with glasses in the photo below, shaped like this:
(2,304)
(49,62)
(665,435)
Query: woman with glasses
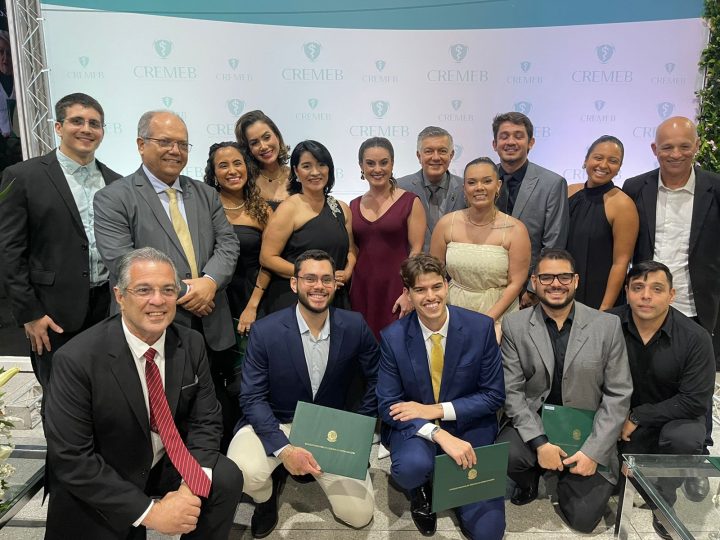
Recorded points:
(604,226)
(388,226)
(258,135)
(229,171)
(486,252)
(309,219)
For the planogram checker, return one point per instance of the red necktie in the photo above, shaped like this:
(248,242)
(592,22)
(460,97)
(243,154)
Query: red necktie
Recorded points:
(161,422)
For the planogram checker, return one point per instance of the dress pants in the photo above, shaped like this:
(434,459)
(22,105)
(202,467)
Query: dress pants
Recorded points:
(684,436)
(351,500)
(413,462)
(582,500)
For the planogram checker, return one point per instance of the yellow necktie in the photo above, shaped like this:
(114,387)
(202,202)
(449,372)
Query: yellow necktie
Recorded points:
(437,357)
(182,231)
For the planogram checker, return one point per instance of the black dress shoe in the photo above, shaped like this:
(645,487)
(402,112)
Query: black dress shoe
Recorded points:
(265,517)
(660,529)
(421,510)
(527,495)
(696,489)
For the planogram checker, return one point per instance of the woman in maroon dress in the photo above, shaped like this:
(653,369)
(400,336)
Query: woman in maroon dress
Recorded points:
(388,226)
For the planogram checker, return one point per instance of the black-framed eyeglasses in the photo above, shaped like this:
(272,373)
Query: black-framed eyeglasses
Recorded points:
(565,278)
(167,144)
(312,279)
(78,121)
(146,292)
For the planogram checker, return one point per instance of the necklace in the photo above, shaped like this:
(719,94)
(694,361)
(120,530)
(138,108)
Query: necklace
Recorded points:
(238,207)
(281,173)
(492,219)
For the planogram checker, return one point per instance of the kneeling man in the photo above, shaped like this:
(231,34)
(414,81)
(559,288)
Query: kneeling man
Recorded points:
(562,352)
(440,385)
(308,352)
(133,414)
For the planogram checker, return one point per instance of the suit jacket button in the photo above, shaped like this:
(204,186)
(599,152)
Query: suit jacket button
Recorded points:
(85,274)
(84,247)
(188,275)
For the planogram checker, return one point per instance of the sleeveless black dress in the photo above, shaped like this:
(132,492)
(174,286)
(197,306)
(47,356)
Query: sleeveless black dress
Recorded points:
(243,281)
(590,242)
(325,231)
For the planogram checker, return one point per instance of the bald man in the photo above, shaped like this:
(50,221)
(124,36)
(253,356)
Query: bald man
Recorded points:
(679,208)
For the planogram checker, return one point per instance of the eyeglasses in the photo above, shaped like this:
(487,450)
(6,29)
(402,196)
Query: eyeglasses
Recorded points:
(77,121)
(167,144)
(565,278)
(145,292)
(312,279)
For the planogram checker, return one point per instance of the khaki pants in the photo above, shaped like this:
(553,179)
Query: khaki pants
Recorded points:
(352,501)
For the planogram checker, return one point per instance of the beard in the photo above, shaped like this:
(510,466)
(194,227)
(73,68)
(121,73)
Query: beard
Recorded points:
(303,299)
(568,300)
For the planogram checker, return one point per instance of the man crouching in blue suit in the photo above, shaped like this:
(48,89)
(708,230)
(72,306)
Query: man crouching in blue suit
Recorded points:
(439,386)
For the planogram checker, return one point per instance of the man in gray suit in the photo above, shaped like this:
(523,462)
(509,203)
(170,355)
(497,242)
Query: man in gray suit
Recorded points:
(562,352)
(439,190)
(157,207)
(530,193)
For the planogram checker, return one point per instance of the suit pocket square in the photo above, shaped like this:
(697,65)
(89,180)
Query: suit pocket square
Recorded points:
(189,385)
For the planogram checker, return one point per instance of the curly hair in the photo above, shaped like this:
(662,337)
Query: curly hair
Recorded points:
(247,120)
(256,207)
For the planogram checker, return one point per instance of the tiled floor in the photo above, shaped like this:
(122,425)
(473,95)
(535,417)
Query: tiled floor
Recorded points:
(305,514)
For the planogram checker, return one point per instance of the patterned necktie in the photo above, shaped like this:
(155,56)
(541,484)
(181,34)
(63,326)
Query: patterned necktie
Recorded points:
(182,231)
(437,359)
(161,422)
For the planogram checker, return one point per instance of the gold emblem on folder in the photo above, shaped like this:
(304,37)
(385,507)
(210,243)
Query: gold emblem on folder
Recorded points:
(332,436)
(472,474)
(576,434)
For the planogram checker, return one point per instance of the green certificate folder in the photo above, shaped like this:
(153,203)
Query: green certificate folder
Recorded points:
(338,440)
(567,427)
(454,486)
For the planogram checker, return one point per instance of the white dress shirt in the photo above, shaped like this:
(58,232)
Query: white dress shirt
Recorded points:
(673,217)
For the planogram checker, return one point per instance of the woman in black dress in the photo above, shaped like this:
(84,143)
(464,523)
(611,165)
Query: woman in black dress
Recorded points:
(262,142)
(309,219)
(229,171)
(603,227)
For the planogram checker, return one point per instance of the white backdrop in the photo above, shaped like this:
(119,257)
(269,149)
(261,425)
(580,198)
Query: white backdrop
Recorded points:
(341,86)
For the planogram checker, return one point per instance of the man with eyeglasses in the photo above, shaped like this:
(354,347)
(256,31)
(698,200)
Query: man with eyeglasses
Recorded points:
(133,425)
(562,352)
(158,207)
(308,352)
(679,208)
(52,271)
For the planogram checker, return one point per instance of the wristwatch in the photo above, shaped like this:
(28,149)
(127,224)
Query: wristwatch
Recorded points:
(633,418)
(434,432)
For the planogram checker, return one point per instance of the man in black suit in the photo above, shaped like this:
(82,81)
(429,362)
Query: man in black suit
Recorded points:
(52,271)
(132,414)
(679,209)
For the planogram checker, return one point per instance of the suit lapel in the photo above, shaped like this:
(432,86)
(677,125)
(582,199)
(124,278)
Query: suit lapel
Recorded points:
(295,351)
(337,331)
(526,188)
(577,338)
(59,182)
(702,201)
(146,190)
(453,345)
(125,372)
(541,339)
(175,359)
(648,205)
(103,172)
(419,359)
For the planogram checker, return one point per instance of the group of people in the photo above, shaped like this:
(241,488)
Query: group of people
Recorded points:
(405,304)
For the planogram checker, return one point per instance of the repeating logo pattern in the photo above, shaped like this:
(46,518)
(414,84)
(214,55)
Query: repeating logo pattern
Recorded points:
(235,106)
(380,64)
(163,47)
(84,61)
(312,50)
(458,52)
(313,103)
(233,63)
(670,67)
(665,109)
(525,66)
(456,104)
(523,107)
(167,101)
(599,105)
(604,52)
(380,108)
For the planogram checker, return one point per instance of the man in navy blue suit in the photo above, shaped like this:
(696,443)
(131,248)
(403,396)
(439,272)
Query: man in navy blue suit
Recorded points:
(308,352)
(440,384)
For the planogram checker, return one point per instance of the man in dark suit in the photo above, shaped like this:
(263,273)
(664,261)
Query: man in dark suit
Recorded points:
(307,352)
(157,207)
(132,414)
(440,385)
(439,190)
(679,209)
(52,271)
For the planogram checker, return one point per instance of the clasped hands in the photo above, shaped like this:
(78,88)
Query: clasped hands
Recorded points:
(176,513)
(299,461)
(554,458)
(200,299)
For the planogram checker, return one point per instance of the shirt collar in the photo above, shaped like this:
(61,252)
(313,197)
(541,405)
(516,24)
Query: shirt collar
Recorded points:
(443,184)
(70,166)
(302,325)
(159,185)
(517,175)
(138,347)
(689,186)
(548,319)
(426,332)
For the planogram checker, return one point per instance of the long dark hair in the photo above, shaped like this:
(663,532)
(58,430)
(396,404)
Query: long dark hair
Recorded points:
(379,142)
(247,120)
(319,152)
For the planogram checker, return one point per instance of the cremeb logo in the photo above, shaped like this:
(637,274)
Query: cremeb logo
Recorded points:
(525,66)
(233,63)
(604,52)
(668,77)
(234,74)
(167,101)
(380,65)
(312,50)
(458,52)
(670,67)
(380,108)
(163,47)
(596,116)
(523,107)
(665,109)
(313,103)
(85,74)
(524,78)
(455,115)
(84,61)
(235,106)
(599,105)
(456,104)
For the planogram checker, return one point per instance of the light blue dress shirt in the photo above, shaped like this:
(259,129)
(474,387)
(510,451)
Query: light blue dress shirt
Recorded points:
(317,350)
